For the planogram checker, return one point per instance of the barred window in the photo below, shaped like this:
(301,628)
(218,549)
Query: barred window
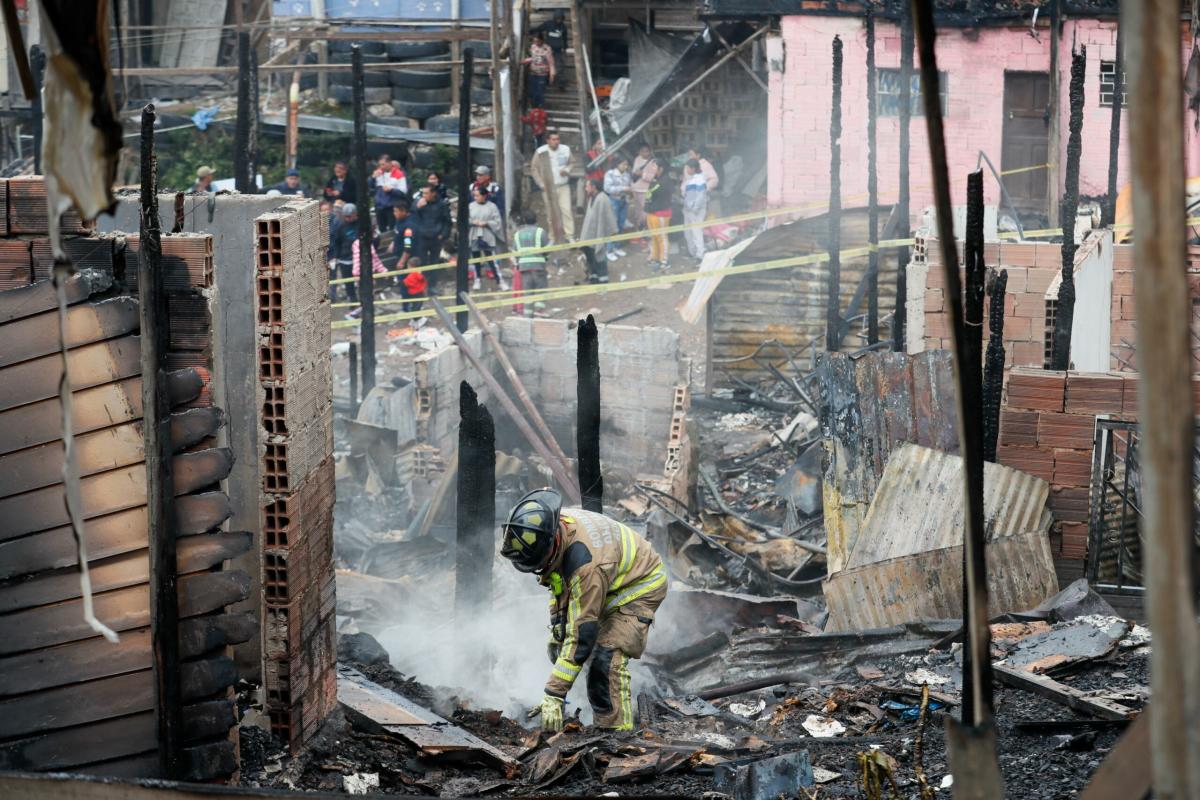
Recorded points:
(1108,84)
(887,93)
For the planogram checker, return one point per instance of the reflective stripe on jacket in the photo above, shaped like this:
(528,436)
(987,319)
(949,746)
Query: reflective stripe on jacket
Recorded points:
(521,243)
(602,565)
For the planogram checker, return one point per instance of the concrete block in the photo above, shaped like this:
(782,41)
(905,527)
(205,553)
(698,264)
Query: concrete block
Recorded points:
(549,332)
(516,331)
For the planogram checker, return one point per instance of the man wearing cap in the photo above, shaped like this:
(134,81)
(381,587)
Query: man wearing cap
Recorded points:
(204,179)
(291,185)
(341,249)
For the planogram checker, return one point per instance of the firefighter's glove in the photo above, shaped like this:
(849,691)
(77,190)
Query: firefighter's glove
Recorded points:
(552,713)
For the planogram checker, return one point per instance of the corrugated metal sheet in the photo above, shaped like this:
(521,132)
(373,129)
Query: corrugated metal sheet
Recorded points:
(929,585)
(788,304)
(918,505)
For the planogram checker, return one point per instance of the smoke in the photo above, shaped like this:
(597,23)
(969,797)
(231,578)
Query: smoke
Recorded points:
(495,659)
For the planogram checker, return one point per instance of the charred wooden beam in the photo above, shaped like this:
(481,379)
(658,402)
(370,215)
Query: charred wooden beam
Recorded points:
(366,275)
(243,178)
(833,312)
(900,319)
(1065,313)
(977,680)
(37,298)
(872,191)
(1166,422)
(587,427)
(475,550)
(159,476)
(993,367)
(1114,133)
(461,283)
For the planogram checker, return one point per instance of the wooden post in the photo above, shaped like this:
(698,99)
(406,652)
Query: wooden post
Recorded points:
(242,179)
(255,110)
(581,94)
(993,367)
(587,410)
(1064,316)
(498,121)
(872,192)
(37,65)
(975,273)
(977,659)
(1054,133)
(562,476)
(156,437)
(476,506)
(353,378)
(462,283)
(900,319)
(833,283)
(1167,429)
(535,416)
(1114,134)
(366,276)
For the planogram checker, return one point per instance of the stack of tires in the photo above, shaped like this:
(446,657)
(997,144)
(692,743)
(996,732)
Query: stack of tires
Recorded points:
(376,86)
(418,90)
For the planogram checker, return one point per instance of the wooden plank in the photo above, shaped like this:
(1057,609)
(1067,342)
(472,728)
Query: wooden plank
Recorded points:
(109,492)
(91,365)
(80,785)
(91,409)
(122,609)
(100,451)
(37,297)
(77,704)
(91,659)
(109,535)
(206,677)
(87,323)
(195,553)
(1061,693)
(1124,774)
(100,741)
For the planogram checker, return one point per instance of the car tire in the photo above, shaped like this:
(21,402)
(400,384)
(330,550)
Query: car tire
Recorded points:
(420,79)
(402,51)
(421,111)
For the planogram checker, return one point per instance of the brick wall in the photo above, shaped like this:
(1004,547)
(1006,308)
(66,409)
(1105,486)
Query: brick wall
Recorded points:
(974,61)
(642,374)
(296,445)
(1032,268)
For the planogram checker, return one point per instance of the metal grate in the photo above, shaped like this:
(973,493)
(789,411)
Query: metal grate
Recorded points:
(1108,84)
(1048,333)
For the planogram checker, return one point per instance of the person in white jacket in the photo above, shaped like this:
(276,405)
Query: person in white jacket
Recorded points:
(695,207)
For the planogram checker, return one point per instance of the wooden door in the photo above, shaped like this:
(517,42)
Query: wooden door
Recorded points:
(1025,139)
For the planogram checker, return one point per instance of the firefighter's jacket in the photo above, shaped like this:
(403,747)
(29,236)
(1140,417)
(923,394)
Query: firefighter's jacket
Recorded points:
(601,566)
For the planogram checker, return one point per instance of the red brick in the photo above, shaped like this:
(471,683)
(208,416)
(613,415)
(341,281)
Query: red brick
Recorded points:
(1018,254)
(1094,393)
(1070,503)
(1049,255)
(1031,305)
(1018,428)
(933,300)
(1039,280)
(1071,431)
(1072,467)
(1018,329)
(1035,389)
(1029,354)
(1034,461)
(1074,539)
(1123,257)
(1018,278)
(1122,283)
(1124,330)
(937,325)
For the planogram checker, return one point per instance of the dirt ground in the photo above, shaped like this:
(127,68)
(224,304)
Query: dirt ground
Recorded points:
(654,306)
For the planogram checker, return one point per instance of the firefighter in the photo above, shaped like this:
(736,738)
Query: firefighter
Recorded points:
(605,583)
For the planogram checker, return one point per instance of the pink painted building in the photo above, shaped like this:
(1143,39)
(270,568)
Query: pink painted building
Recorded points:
(996,99)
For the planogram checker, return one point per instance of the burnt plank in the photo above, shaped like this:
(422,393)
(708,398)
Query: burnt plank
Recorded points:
(1125,773)
(77,704)
(37,297)
(1061,693)
(206,677)
(139,766)
(95,658)
(85,660)
(200,635)
(91,409)
(194,553)
(109,535)
(209,761)
(37,336)
(209,719)
(100,741)
(108,492)
(194,425)
(91,365)
(121,610)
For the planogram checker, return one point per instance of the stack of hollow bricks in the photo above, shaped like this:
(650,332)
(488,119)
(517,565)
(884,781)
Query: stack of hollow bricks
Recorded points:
(1124,315)
(296,443)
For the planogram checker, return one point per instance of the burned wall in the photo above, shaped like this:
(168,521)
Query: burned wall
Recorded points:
(643,385)
(71,699)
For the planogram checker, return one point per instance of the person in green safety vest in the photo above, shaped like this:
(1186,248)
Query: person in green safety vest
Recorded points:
(532,266)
